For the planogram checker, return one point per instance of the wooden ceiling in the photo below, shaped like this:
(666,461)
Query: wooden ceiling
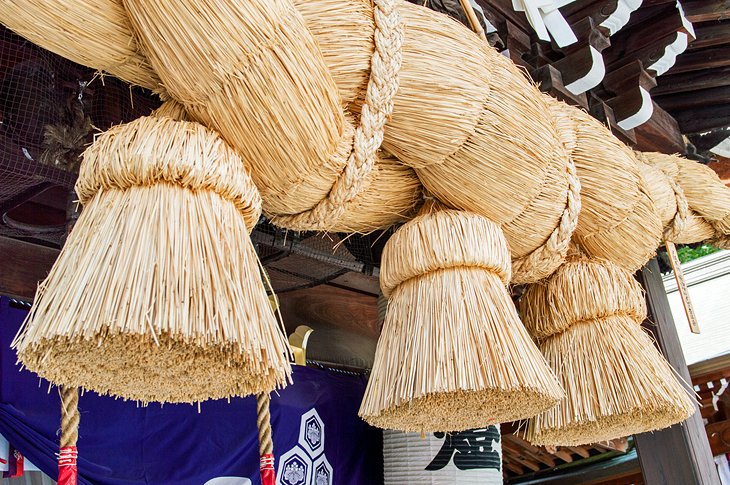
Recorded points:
(692,96)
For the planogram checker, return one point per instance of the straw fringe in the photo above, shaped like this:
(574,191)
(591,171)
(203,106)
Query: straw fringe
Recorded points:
(156,295)
(619,385)
(452,352)
(580,292)
(587,318)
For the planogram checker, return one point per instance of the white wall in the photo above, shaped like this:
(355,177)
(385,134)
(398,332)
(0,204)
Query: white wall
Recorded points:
(708,279)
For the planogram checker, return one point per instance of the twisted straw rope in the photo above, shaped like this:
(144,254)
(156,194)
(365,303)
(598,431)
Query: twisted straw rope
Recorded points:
(263,421)
(541,262)
(679,222)
(376,110)
(69,416)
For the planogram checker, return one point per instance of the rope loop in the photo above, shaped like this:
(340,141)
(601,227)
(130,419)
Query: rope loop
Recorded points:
(382,87)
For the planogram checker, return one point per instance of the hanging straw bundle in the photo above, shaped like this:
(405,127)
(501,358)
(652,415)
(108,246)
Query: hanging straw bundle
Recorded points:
(617,212)
(706,196)
(587,321)
(452,353)
(156,295)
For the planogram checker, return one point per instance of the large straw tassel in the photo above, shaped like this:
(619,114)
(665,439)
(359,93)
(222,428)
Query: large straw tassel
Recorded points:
(617,212)
(156,295)
(452,354)
(587,321)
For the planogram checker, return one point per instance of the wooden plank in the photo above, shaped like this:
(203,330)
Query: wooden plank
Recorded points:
(706,10)
(580,451)
(711,35)
(692,81)
(702,59)
(660,134)
(702,119)
(530,450)
(518,455)
(23,266)
(693,99)
(679,455)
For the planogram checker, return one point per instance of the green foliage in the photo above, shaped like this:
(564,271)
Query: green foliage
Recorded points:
(689,253)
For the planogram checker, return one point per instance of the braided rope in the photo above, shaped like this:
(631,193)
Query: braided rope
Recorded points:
(679,222)
(541,262)
(263,422)
(376,110)
(69,416)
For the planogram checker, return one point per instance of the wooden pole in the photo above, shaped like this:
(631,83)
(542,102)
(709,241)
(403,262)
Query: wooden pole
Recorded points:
(679,455)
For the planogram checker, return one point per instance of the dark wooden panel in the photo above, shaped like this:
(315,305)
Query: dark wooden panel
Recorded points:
(692,81)
(706,10)
(679,455)
(703,119)
(23,266)
(719,436)
(711,35)
(702,59)
(694,99)
(327,305)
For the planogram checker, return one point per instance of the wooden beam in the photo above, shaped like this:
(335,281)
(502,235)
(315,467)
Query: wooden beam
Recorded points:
(702,59)
(702,119)
(679,455)
(660,134)
(706,10)
(693,99)
(711,35)
(23,266)
(692,81)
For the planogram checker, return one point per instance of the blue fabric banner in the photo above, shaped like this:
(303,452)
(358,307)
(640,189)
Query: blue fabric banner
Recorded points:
(318,437)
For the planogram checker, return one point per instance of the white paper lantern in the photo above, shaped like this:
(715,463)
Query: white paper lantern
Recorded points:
(467,457)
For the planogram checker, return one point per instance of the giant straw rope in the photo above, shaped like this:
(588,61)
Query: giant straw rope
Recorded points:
(276,86)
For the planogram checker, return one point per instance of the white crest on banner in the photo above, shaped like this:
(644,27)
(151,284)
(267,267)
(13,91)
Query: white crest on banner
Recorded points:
(306,463)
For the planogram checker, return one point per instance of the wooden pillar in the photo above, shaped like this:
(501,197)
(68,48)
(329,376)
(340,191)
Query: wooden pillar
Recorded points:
(679,455)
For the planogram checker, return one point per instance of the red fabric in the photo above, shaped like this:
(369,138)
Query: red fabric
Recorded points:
(268,477)
(67,472)
(19,469)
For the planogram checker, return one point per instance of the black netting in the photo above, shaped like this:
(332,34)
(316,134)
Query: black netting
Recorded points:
(50,109)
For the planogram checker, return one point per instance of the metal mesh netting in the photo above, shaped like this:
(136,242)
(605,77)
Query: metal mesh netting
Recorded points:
(50,109)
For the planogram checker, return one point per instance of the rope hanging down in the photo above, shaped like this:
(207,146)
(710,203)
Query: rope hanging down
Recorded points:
(67,472)
(266,443)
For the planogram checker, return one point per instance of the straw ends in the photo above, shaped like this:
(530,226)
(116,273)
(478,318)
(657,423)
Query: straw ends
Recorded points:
(157,294)
(453,353)
(587,319)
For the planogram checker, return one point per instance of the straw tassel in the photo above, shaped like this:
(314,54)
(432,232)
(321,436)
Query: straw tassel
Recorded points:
(452,354)
(587,321)
(157,295)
